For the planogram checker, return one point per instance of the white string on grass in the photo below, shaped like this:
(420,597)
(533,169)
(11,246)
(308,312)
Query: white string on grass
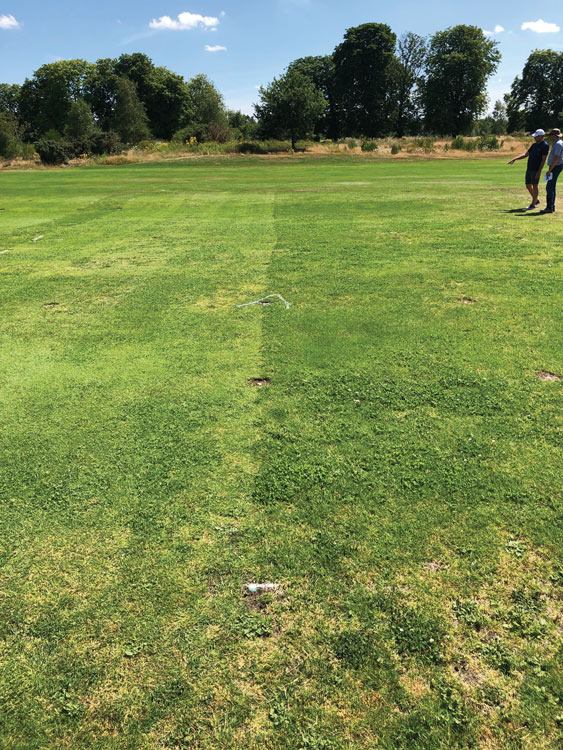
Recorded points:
(39,237)
(257,301)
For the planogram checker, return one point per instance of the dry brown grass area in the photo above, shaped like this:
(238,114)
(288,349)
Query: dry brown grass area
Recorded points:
(510,146)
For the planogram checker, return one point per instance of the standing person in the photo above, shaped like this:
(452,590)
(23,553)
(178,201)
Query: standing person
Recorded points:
(555,165)
(537,154)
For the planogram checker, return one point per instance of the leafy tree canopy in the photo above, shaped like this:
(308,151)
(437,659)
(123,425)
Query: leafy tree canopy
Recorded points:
(536,98)
(363,74)
(289,107)
(407,74)
(460,61)
(320,71)
(45,99)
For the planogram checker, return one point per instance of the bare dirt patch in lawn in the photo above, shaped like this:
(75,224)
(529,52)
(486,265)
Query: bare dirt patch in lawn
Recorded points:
(545,375)
(259,381)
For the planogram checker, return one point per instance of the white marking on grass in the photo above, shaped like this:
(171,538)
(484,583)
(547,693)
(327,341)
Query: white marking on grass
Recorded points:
(254,587)
(257,301)
(39,237)
(5,251)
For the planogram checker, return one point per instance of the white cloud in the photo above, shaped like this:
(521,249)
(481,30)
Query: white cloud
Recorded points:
(185,22)
(215,48)
(540,27)
(9,22)
(498,30)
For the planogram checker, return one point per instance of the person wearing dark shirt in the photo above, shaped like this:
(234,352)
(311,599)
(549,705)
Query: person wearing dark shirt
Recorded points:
(537,154)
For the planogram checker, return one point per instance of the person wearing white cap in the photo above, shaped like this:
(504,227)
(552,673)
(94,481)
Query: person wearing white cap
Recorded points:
(537,154)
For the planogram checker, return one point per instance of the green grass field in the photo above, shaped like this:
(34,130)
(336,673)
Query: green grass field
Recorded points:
(400,478)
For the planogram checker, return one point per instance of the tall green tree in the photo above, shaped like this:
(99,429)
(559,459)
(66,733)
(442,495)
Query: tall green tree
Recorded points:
(320,70)
(79,121)
(9,98)
(242,126)
(363,74)
(166,102)
(45,99)
(460,61)
(289,107)
(130,119)
(407,74)
(536,98)
(500,118)
(164,94)
(205,110)
(10,135)
(101,90)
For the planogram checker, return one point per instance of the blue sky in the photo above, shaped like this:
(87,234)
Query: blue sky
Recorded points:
(242,44)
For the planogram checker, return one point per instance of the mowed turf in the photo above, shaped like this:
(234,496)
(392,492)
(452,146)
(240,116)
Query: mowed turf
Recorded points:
(400,478)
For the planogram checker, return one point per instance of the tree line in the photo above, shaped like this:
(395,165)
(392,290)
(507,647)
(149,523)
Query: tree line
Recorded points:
(372,85)
(75,107)
(375,84)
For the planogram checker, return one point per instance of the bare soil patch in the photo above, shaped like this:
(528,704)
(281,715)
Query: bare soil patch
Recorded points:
(259,382)
(545,375)
(434,566)
(466,300)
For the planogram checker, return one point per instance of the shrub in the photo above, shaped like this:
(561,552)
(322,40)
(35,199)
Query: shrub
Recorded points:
(183,135)
(26,150)
(488,143)
(95,144)
(263,147)
(250,147)
(460,144)
(52,135)
(217,133)
(52,152)
(395,148)
(368,144)
(106,143)
(426,144)
(276,147)
(352,143)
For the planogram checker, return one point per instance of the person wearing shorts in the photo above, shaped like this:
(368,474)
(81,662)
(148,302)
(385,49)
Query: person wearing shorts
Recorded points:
(537,154)
(554,168)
